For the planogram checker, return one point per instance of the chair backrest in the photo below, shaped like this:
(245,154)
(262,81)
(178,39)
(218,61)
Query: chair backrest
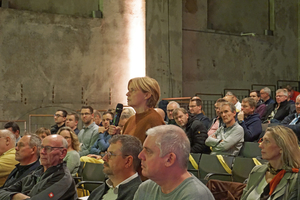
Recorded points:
(242,168)
(211,164)
(92,172)
(250,150)
(191,168)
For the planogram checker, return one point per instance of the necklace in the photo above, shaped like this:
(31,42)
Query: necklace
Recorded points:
(272,170)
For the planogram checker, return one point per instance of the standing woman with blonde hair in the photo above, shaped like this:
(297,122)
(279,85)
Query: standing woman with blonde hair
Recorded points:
(277,179)
(143,94)
(72,158)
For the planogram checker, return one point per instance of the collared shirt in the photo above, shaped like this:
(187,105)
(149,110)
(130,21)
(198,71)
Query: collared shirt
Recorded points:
(112,193)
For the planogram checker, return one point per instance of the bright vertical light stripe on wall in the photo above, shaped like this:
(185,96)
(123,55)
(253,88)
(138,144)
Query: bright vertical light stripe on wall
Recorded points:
(137,36)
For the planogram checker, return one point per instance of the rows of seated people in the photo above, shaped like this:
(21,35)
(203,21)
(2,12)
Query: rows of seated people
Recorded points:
(165,150)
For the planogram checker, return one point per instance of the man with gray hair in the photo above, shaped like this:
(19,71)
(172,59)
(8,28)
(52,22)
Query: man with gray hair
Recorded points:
(278,111)
(164,159)
(172,105)
(120,165)
(227,139)
(51,180)
(7,154)
(265,95)
(27,153)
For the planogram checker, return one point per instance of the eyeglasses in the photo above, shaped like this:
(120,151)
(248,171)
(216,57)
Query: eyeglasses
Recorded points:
(110,154)
(280,96)
(170,110)
(57,115)
(48,149)
(192,106)
(297,104)
(82,114)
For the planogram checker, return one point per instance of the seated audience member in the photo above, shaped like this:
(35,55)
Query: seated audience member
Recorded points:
(265,95)
(292,121)
(292,93)
(89,133)
(107,117)
(120,165)
(230,97)
(97,118)
(27,153)
(217,121)
(282,108)
(164,157)
(172,105)
(72,158)
(260,108)
(143,94)
(102,143)
(194,129)
(51,180)
(14,128)
(72,122)
(60,119)
(227,139)
(279,178)
(249,120)
(7,154)
(42,132)
(112,130)
(161,112)
(195,108)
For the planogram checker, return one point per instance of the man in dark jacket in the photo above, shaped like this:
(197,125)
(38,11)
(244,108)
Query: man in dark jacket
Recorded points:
(195,108)
(52,180)
(60,119)
(27,153)
(195,130)
(120,165)
(293,120)
(249,120)
(282,108)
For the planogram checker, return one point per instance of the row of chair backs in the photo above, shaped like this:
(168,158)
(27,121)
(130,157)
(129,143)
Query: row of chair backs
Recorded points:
(91,176)
(250,150)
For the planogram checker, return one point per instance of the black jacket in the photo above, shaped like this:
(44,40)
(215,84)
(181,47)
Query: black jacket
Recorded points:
(205,120)
(55,128)
(56,183)
(296,128)
(125,192)
(284,110)
(20,172)
(197,134)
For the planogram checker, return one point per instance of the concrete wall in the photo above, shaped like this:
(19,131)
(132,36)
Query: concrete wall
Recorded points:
(213,60)
(164,45)
(51,61)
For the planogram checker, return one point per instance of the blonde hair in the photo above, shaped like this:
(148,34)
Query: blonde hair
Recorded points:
(75,142)
(147,85)
(287,140)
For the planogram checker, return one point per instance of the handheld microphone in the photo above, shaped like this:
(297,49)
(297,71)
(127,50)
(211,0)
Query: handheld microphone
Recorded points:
(119,110)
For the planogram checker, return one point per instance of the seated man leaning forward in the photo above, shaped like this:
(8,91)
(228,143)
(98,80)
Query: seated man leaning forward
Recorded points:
(164,158)
(120,164)
(229,139)
(27,153)
(52,180)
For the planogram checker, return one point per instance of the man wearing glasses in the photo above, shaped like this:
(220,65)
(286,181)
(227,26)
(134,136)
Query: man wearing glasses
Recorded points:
(278,111)
(89,133)
(52,180)
(59,118)
(120,165)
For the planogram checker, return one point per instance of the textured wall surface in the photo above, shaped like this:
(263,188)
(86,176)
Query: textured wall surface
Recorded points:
(215,60)
(50,61)
(164,45)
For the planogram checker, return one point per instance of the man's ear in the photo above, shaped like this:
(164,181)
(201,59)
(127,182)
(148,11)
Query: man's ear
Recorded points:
(129,161)
(64,153)
(170,159)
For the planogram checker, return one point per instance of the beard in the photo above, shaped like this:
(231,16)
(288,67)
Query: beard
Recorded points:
(106,169)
